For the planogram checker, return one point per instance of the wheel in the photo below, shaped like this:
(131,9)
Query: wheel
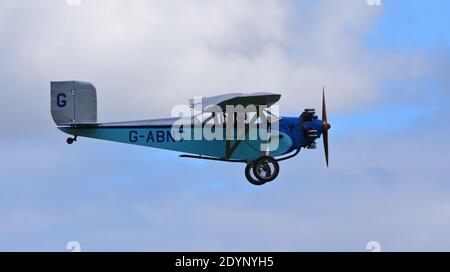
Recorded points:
(69,140)
(266,169)
(250,177)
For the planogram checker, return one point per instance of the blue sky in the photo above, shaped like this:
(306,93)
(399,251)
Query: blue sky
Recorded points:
(385,70)
(414,24)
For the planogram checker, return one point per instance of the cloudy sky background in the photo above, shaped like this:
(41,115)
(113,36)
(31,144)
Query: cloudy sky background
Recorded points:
(386,73)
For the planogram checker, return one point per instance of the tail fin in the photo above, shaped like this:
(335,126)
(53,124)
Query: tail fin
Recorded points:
(73,102)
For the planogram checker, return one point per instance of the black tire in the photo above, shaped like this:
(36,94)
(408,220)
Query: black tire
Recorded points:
(269,175)
(69,141)
(250,178)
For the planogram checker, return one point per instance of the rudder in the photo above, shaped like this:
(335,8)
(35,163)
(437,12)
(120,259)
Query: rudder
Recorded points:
(73,102)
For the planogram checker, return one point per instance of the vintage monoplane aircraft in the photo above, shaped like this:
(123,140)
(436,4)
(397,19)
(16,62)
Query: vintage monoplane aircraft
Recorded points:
(74,110)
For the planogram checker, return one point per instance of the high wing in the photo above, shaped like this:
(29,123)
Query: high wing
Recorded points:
(234,99)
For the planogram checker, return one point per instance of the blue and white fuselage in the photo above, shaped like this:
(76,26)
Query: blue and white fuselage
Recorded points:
(158,134)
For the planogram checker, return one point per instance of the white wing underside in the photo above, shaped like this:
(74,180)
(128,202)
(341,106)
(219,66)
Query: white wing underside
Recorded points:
(234,99)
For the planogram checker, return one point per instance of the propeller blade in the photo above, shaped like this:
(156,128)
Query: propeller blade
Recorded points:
(326,126)
(325,144)
(324,107)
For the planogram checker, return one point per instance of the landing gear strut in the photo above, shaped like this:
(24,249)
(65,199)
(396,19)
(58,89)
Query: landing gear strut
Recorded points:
(71,140)
(261,171)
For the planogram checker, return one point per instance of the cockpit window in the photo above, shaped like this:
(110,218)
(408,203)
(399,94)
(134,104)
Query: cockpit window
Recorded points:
(272,117)
(203,117)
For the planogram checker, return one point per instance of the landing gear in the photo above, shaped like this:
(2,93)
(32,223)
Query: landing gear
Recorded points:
(250,177)
(261,171)
(71,140)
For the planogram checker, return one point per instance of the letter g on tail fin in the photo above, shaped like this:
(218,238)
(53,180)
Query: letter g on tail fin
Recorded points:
(73,102)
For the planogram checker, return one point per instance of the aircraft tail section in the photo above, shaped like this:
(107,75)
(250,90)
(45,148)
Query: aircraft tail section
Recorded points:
(73,102)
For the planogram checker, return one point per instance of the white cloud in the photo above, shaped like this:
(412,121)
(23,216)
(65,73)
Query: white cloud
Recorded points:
(144,57)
